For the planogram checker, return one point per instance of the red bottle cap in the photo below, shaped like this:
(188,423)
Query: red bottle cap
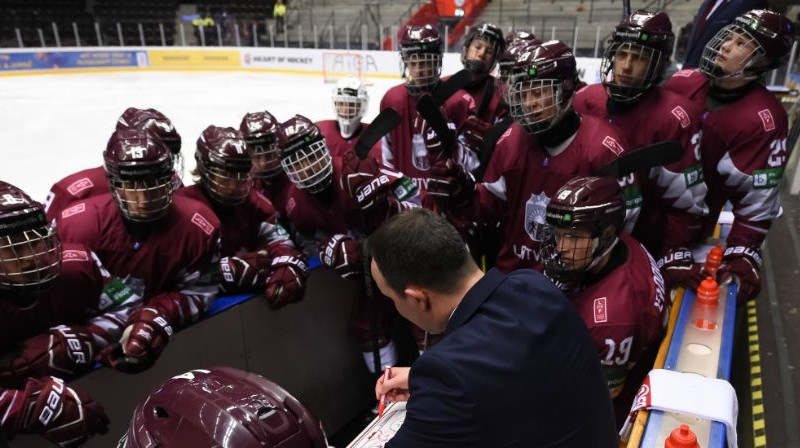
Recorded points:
(682,437)
(713,260)
(708,292)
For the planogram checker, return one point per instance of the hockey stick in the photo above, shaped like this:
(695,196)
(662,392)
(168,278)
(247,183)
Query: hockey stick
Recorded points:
(452,85)
(657,154)
(428,109)
(626,9)
(386,120)
(489,142)
(488,93)
(372,303)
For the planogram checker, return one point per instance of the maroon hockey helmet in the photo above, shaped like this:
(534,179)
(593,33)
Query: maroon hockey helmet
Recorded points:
(140,172)
(757,41)
(305,156)
(595,208)
(154,121)
(30,251)
(157,123)
(421,58)
(637,54)
(541,83)
(222,407)
(224,164)
(260,131)
(492,35)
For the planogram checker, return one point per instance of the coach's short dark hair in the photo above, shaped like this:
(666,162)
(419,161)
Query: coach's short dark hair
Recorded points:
(420,247)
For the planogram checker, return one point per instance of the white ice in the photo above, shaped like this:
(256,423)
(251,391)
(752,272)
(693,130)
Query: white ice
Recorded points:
(55,125)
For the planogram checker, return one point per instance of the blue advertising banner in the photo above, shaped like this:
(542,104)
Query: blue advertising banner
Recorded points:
(46,60)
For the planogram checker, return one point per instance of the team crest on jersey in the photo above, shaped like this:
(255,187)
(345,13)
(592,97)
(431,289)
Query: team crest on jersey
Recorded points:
(290,205)
(600,310)
(535,211)
(74,210)
(80,185)
(203,223)
(612,144)
(684,73)
(682,116)
(767,120)
(419,153)
(74,255)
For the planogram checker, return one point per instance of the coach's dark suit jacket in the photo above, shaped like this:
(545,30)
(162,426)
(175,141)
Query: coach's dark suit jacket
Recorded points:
(516,368)
(723,15)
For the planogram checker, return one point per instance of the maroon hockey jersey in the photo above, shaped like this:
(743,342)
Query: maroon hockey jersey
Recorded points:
(527,176)
(743,153)
(172,261)
(625,311)
(673,196)
(73,188)
(404,150)
(495,110)
(339,145)
(249,226)
(73,298)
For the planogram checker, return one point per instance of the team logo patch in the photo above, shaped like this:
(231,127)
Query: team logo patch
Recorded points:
(80,185)
(684,73)
(290,205)
(74,255)
(766,119)
(74,210)
(201,222)
(535,211)
(612,144)
(682,116)
(600,310)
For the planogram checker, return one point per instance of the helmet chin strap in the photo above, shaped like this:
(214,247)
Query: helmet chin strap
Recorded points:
(598,257)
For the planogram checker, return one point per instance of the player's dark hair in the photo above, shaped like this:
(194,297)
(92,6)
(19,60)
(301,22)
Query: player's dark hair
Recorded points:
(421,248)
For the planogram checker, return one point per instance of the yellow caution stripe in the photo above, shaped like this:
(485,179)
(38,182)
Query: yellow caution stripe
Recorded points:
(759,427)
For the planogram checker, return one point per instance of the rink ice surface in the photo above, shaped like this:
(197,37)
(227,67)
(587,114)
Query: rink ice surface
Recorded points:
(55,125)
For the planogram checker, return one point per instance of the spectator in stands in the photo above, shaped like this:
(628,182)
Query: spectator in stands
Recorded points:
(278,12)
(712,16)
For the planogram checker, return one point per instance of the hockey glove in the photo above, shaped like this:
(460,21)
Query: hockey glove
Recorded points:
(245,272)
(343,254)
(473,131)
(62,351)
(65,416)
(743,265)
(450,183)
(287,281)
(679,269)
(145,337)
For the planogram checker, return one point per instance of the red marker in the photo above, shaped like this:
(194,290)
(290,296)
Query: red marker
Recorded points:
(382,403)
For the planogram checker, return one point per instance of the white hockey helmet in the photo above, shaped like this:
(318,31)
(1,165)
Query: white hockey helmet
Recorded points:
(350,101)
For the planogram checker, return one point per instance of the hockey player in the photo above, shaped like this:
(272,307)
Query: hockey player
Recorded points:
(611,279)
(744,135)
(405,148)
(350,103)
(163,248)
(254,412)
(58,305)
(673,196)
(548,145)
(483,45)
(42,284)
(334,202)
(257,254)
(260,131)
(93,182)
(65,416)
